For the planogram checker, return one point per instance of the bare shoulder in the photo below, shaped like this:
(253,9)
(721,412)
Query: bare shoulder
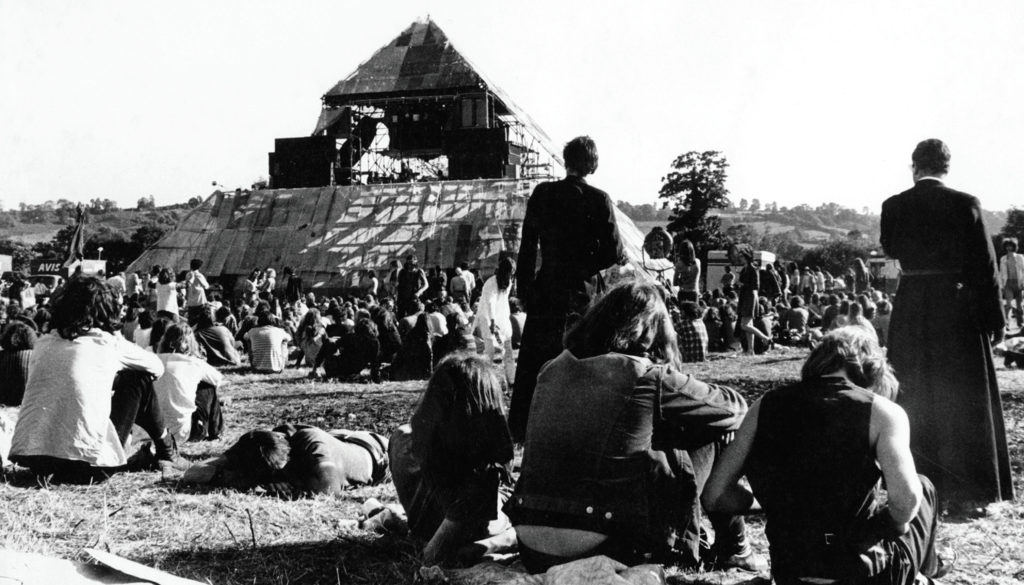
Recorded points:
(886,414)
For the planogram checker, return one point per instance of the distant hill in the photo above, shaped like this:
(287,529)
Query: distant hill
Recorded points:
(112,223)
(802,224)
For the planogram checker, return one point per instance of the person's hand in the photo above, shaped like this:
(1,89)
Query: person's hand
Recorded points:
(998,336)
(281,489)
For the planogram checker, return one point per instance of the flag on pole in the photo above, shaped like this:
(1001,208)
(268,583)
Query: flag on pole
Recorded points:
(76,249)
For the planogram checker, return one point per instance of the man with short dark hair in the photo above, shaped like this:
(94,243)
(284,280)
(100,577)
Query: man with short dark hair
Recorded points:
(946,314)
(573,225)
(412,283)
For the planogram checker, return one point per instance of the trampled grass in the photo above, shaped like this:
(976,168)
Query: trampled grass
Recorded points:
(219,536)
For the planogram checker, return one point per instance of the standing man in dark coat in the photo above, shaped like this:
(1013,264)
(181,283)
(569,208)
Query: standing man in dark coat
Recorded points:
(574,224)
(946,314)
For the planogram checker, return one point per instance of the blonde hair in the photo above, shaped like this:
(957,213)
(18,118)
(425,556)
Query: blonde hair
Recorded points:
(858,355)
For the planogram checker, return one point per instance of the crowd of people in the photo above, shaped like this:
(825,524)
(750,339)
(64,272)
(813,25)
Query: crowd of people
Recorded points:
(624,453)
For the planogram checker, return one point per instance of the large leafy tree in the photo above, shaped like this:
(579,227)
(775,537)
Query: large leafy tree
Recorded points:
(1014,227)
(692,189)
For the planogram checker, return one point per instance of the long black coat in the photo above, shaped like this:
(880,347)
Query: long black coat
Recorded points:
(946,307)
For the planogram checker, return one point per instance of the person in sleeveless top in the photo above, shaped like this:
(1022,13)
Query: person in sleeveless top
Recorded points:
(815,453)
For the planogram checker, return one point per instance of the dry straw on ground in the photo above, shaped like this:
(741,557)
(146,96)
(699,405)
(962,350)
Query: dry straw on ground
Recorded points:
(225,537)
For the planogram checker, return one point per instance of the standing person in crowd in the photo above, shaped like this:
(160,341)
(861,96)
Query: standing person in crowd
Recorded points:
(391,281)
(770,286)
(861,276)
(268,345)
(248,287)
(457,286)
(292,286)
(470,278)
(687,275)
(728,281)
(624,479)
(117,285)
(70,424)
(412,283)
(573,224)
(1011,276)
(693,335)
(452,464)
(437,283)
(815,453)
(216,340)
(195,290)
(946,315)
(368,284)
(268,284)
(166,294)
(493,317)
(749,283)
(17,342)
(187,391)
(151,284)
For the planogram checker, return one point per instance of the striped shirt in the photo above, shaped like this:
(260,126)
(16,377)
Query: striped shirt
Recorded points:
(268,348)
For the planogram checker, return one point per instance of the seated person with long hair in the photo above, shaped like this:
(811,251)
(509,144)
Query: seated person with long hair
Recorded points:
(188,389)
(815,453)
(296,460)
(452,464)
(86,388)
(620,442)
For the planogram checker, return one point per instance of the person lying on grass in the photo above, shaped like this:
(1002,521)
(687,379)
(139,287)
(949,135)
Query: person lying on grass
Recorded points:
(86,388)
(816,453)
(297,460)
(452,464)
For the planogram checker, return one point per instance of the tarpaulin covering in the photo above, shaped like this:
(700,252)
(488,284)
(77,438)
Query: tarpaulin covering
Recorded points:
(328,234)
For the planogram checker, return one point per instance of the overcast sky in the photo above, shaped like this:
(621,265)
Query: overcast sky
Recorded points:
(810,101)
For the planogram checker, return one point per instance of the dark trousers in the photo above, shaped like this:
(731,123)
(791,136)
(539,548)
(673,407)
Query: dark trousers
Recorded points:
(542,342)
(207,419)
(133,402)
(897,561)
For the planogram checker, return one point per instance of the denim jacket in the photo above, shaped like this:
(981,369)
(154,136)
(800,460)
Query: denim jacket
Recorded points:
(597,429)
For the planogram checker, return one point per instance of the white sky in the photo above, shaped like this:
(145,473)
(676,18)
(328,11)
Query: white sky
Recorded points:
(811,101)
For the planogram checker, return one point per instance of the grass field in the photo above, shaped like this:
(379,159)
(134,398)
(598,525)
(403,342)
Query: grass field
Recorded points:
(219,536)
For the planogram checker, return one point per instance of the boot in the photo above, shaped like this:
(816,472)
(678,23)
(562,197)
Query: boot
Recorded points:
(169,462)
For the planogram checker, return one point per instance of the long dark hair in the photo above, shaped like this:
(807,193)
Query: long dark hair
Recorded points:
(459,424)
(632,319)
(506,267)
(85,303)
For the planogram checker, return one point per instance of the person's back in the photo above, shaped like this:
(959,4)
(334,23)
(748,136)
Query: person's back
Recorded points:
(268,353)
(176,390)
(813,469)
(219,345)
(796,318)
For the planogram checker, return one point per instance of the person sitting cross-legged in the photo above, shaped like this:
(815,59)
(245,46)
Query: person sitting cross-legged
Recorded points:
(620,442)
(297,460)
(815,454)
(85,390)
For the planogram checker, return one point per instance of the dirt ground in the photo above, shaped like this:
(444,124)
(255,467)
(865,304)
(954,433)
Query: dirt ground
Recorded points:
(219,536)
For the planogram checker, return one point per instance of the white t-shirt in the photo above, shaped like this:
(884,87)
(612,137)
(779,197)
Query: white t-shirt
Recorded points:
(66,409)
(195,289)
(143,337)
(176,390)
(167,298)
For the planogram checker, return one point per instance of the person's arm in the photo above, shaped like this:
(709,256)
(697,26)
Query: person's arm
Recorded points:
(723,491)
(691,412)
(611,251)
(423,282)
(527,259)
(890,433)
(133,357)
(448,538)
(210,374)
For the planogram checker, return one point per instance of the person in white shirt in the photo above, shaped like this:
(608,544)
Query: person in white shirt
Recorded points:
(494,317)
(188,386)
(166,293)
(117,285)
(1011,274)
(470,279)
(195,289)
(87,386)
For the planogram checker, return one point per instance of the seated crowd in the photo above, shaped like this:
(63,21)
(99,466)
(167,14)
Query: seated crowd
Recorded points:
(657,452)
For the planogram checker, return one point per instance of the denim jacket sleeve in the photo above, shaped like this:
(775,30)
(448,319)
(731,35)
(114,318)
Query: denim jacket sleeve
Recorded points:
(689,413)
